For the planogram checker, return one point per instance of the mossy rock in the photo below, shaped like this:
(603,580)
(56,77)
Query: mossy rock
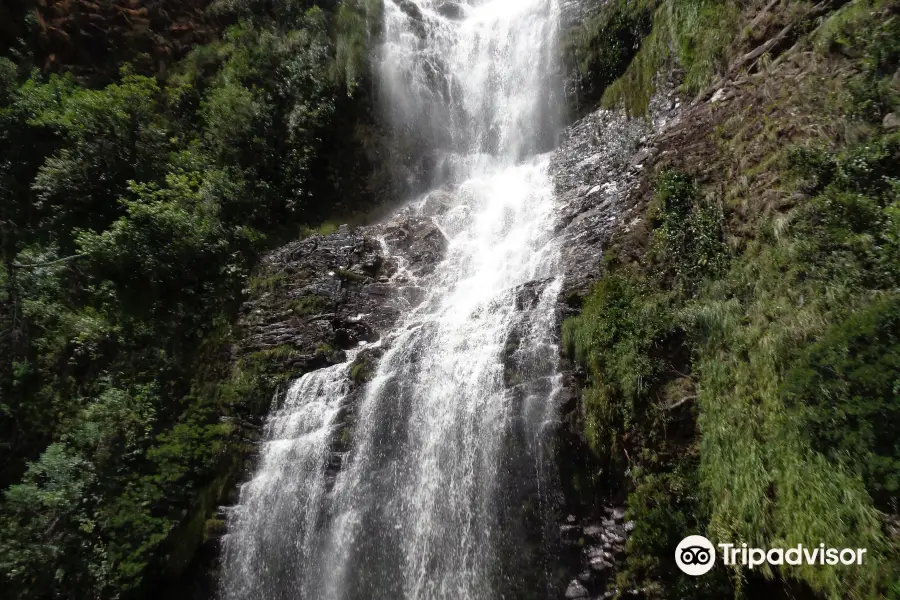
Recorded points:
(350,276)
(363,368)
(311,304)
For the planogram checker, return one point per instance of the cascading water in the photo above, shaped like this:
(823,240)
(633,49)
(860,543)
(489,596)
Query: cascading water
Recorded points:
(274,534)
(442,495)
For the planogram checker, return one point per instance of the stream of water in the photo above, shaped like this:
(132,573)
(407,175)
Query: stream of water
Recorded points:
(447,491)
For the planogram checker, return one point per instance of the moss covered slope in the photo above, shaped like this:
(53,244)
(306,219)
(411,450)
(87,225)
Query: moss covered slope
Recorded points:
(742,349)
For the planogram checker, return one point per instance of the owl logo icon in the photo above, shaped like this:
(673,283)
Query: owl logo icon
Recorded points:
(695,555)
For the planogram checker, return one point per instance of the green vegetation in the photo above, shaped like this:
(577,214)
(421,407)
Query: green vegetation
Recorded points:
(326,350)
(350,276)
(619,51)
(694,34)
(363,368)
(326,228)
(743,372)
(601,47)
(131,216)
(623,337)
(687,237)
(781,295)
(309,305)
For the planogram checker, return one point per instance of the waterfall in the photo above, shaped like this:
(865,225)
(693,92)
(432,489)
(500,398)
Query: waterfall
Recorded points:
(445,493)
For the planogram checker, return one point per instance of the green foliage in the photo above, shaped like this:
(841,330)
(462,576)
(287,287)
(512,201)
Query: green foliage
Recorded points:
(351,32)
(115,428)
(8,83)
(772,409)
(602,46)
(870,31)
(289,14)
(328,352)
(688,235)
(846,386)
(790,351)
(700,31)
(131,216)
(163,227)
(310,305)
(267,283)
(271,98)
(326,228)
(664,506)
(109,137)
(350,276)
(362,369)
(768,404)
(623,338)
(695,33)
(232,115)
(49,521)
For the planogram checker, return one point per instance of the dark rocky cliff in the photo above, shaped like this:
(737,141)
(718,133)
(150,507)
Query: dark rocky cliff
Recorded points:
(308,303)
(92,39)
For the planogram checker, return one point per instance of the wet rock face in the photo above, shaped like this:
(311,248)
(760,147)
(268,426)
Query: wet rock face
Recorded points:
(418,240)
(596,547)
(319,296)
(436,203)
(594,170)
(361,371)
(326,294)
(598,174)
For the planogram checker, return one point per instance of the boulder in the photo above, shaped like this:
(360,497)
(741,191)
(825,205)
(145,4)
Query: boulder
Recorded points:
(410,8)
(435,204)
(319,296)
(576,590)
(419,240)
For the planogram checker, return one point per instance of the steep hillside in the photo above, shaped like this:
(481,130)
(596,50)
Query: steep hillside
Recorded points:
(739,356)
(92,39)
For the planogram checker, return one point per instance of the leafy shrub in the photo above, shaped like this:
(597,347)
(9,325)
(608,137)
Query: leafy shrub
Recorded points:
(622,338)
(110,137)
(846,386)
(664,506)
(816,168)
(688,233)
(602,46)
(48,519)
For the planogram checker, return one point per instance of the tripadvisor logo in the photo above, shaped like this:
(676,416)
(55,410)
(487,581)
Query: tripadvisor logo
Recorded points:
(695,555)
